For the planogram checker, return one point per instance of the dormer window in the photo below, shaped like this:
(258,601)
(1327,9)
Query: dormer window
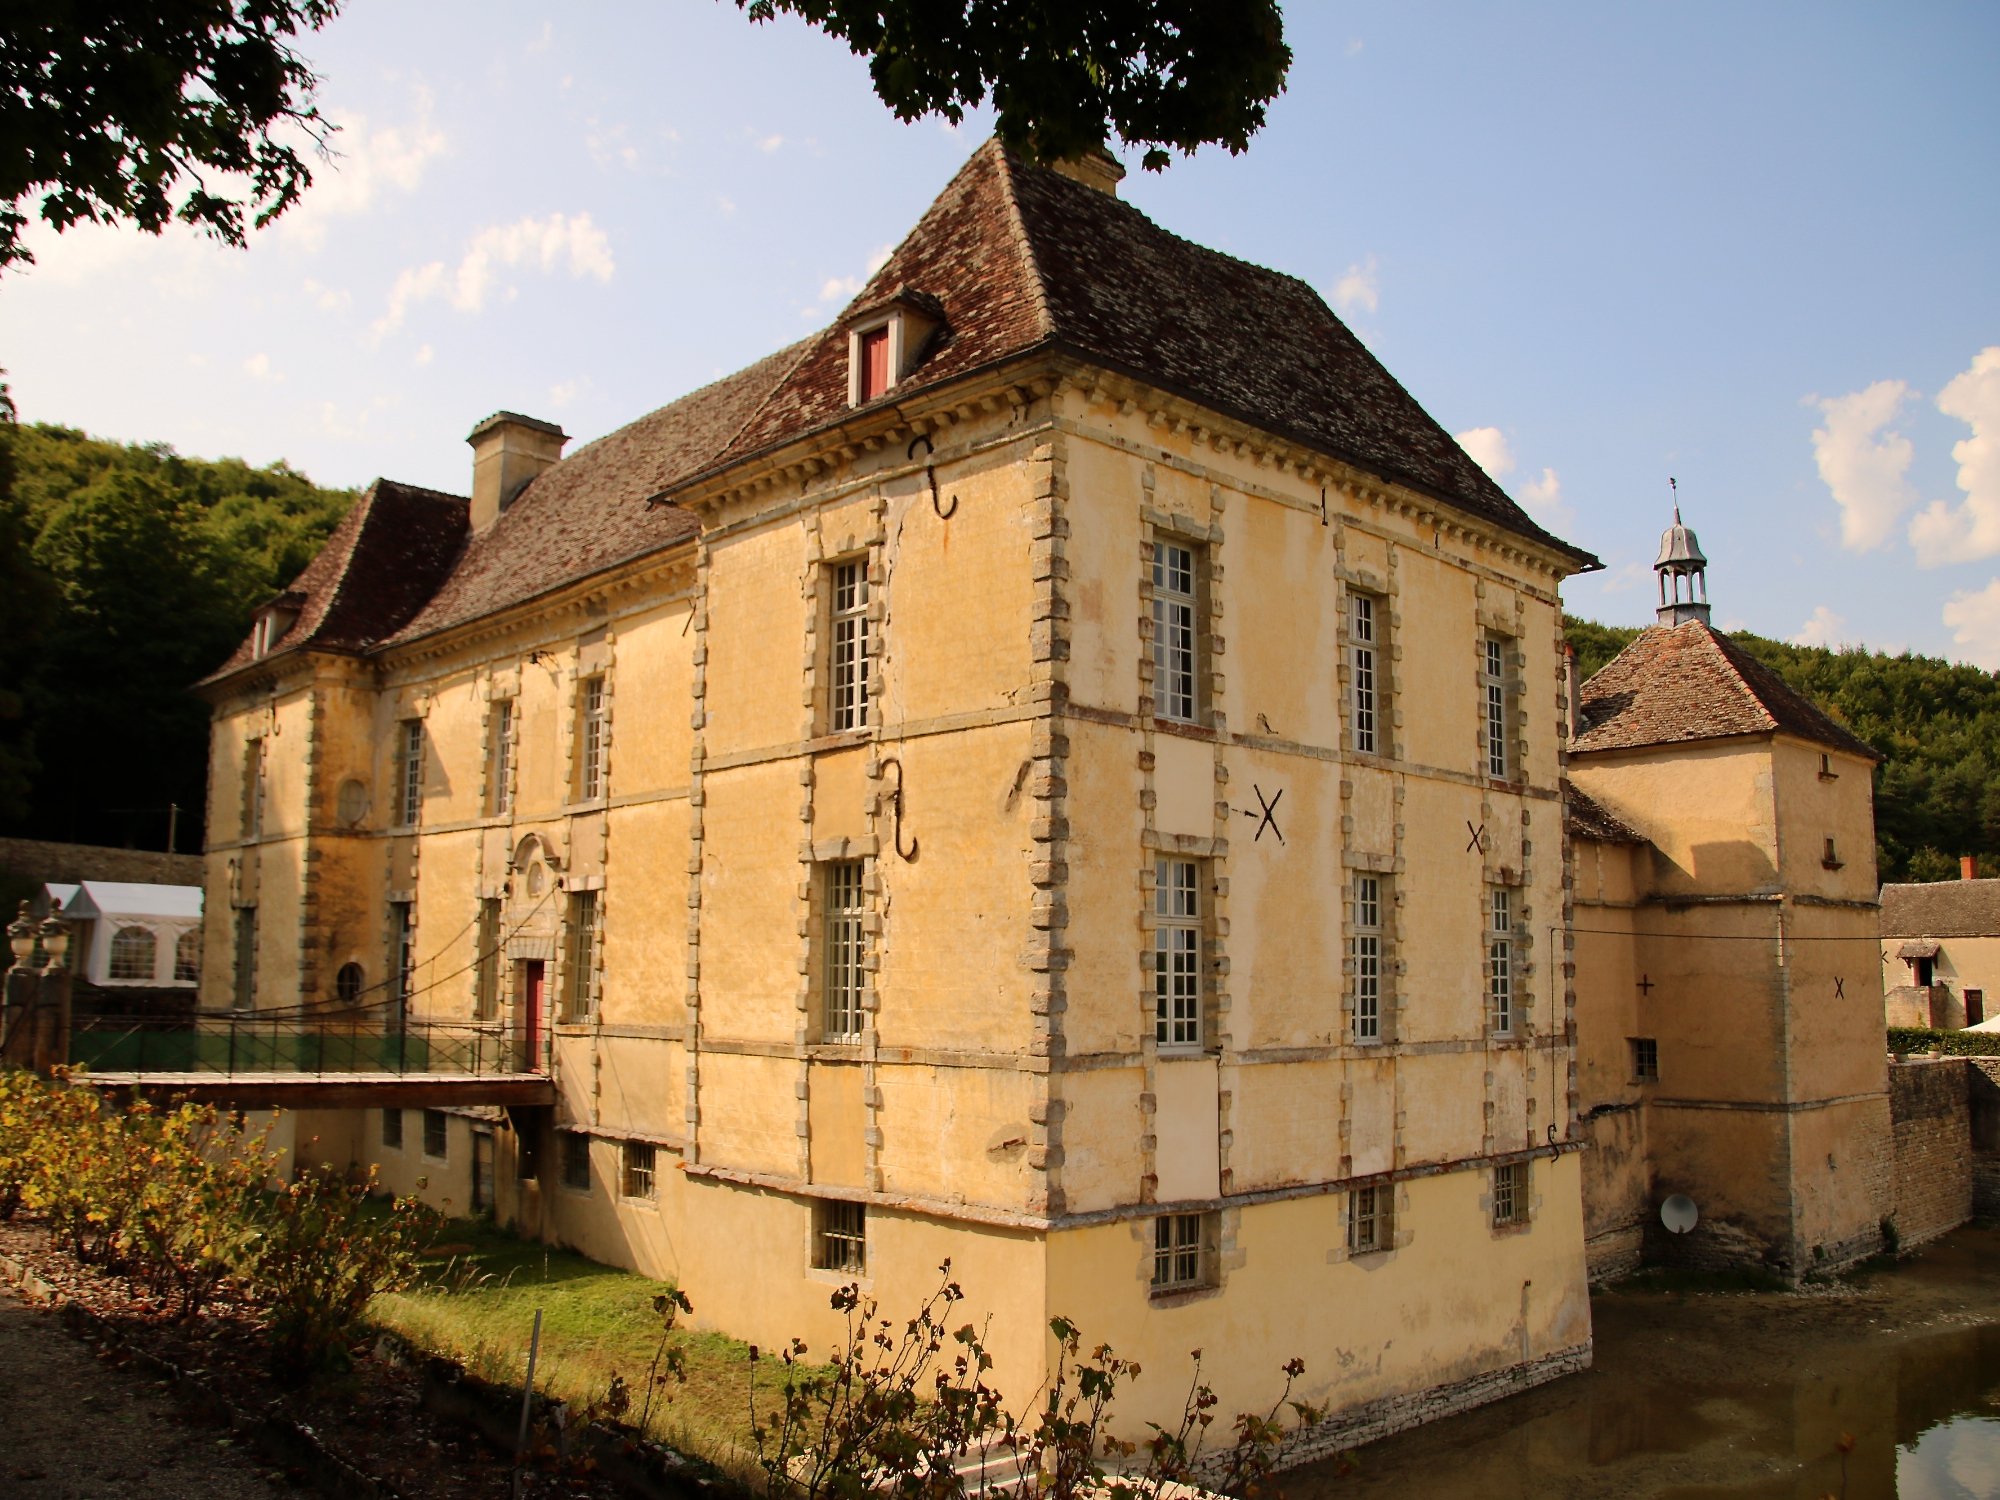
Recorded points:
(273,620)
(886,339)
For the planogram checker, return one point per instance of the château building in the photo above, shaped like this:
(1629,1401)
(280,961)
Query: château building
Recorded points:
(1060,771)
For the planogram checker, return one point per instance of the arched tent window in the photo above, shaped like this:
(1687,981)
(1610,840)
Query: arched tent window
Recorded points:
(133,951)
(347,983)
(187,956)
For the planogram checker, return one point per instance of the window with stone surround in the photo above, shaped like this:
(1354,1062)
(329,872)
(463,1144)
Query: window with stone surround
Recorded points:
(486,961)
(246,957)
(840,1237)
(253,789)
(402,959)
(1183,1252)
(1496,687)
(593,724)
(843,946)
(1177,590)
(1364,679)
(1645,1059)
(1510,1194)
(1500,960)
(1180,931)
(1371,1216)
(500,758)
(1365,949)
(580,957)
(637,1181)
(409,780)
(847,662)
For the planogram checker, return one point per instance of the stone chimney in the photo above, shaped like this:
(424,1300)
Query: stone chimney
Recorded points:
(1096,168)
(1968,867)
(508,450)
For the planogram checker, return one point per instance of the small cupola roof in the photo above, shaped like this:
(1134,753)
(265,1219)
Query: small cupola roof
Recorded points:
(1678,545)
(1683,573)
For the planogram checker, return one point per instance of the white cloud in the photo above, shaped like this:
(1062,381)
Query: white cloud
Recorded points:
(1974,618)
(422,356)
(1542,499)
(366,163)
(1488,447)
(1623,577)
(840,288)
(565,393)
(608,145)
(1943,534)
(1360,289)
(549,245)
(1823,629)
(770,143)
(1866,469)
(258,367)
(1353,47)
(327,298)
(725,206)
(542,39)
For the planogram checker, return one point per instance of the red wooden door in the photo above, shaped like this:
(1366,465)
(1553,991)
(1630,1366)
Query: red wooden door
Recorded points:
(533,977)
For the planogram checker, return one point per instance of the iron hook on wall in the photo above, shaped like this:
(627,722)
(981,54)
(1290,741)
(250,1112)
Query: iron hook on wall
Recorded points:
(943,513)
(896,807)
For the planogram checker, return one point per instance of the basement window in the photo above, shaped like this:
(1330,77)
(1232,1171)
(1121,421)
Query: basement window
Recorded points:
(638,1177)
(1510,1194)
(436,1134)
(1181,1259)
(1831,859)
(840,1237)
(576,1162)
(1645,1059)
(1371,1219)
(392,1129)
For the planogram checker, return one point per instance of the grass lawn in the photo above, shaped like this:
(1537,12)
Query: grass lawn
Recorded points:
(478,1307)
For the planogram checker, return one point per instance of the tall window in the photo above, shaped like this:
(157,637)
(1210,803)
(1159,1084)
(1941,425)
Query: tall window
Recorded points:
(840,1236)
(409,772)
(842,949)
(402,959)
(253,789)
(1177,934)
(187,956)
(134,953)
(246,957)
(580,958)
(1174,684)
(637,1181)
(847,646)
(1500,959)
(575,1161)
(1178,1262)
(1366,946)
(591,737)
(1371,1219)
(392,1129)
(1493,689)
(1362,701)
(437,1134)
(1510,1193)
(500,758)
(486,962)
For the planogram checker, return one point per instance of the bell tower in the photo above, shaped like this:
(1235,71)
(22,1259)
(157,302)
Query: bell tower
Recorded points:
(1683,575)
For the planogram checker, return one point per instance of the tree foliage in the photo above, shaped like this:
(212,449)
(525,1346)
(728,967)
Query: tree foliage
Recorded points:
(143,569)
(1936,723)
(1065,74)
(193,111)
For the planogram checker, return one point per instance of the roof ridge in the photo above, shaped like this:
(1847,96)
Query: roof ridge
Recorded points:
(1024,243)
(1721,646)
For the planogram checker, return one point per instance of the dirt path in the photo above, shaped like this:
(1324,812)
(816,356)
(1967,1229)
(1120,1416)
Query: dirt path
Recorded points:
(74,1427)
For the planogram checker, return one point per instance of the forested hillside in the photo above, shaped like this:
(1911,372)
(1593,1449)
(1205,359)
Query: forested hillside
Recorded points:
(1937,795)
(126,573)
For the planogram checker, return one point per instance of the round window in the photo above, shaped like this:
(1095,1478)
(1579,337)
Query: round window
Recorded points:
(353,802)
(347,983)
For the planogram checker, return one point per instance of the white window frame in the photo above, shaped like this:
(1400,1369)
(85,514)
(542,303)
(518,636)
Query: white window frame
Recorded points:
(843,949)
(1365,947)
(847,640)
(500,758)
(1180,933)
(593,739)
(1501,1017)
(1177,571)
(1181,1256)
(840,1236)
(409,772)
(1495,685)
(581,931)
(1371,1219)
(1364,694)
(139,963)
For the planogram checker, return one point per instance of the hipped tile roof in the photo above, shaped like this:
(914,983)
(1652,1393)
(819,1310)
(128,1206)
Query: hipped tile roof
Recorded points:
(1690,682)
(1942,909)
(1018,259)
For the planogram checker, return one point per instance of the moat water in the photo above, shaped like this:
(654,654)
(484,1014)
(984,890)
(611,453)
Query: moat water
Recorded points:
(1888,1389)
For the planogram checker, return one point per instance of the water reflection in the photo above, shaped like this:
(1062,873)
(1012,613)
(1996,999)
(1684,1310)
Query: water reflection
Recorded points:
(1892,1395)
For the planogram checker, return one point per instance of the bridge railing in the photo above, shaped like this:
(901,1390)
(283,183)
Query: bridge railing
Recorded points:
(246,1043)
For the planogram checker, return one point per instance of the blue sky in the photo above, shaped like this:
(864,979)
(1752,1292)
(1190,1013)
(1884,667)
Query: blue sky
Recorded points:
(1753,247)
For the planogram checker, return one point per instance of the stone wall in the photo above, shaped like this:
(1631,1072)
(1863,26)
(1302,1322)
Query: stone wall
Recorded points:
(30,862)
(1930,1107)
(1983,1086)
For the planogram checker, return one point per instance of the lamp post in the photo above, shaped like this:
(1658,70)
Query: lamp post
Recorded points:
(34,1026)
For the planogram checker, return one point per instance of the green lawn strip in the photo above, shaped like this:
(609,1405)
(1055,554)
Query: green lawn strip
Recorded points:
(477,1306)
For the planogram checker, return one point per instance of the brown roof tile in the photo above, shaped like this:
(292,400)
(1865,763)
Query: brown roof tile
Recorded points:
(1586,818)
(1942,909)
(1690,682)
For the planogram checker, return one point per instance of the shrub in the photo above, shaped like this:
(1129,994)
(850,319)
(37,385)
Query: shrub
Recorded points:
(1921,1039)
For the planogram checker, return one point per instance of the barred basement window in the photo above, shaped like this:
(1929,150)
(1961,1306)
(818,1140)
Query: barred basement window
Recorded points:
(1645,1059)
(1500,960)
(1371,1219)
(842,949)
(592,724)
(392,1129)
(576,1161)
(1180,1259)
(1177,943)
(1361,672)
(1510,1194)
(134,952)
(1493,686)
(409,772)
(1366,946)
(437,1137)
(847,646)
(840,1237)
(1175,687)
(638,1180)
